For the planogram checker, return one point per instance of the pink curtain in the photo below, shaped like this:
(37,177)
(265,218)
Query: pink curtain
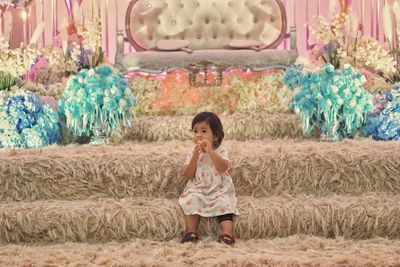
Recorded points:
(53,13)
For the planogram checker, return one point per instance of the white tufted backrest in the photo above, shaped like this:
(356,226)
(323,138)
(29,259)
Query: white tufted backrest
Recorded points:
(206,24)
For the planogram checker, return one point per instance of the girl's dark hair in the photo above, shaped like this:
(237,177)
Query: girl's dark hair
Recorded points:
(215,125)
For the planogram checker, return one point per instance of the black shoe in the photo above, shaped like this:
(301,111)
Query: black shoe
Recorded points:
(190,237)
(226,239)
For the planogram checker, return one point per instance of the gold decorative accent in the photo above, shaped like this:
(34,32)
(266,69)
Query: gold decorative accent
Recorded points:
(205,67)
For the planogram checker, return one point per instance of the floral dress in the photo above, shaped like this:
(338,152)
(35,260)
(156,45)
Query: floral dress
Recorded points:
(210,193)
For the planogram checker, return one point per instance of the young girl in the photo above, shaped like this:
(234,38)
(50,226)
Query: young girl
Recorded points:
(209,191)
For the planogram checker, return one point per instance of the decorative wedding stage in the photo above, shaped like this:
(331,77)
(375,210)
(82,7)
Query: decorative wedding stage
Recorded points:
(91,158)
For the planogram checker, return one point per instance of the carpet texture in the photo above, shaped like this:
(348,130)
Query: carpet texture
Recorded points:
(259,169)
(280,252)
(239,126)
(367,216)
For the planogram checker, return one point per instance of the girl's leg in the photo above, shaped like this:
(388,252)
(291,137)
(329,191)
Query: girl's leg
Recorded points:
(227,227)
(191,222)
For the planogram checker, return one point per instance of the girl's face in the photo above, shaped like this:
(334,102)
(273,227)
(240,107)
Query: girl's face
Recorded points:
(202,131)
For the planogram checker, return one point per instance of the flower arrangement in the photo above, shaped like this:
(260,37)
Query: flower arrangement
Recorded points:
(392,32)
(333,100)
(25,122)
(339,42)
(14,63)
(81,50)
(372,56)
(54,90)
(51,65)
(330,39)
(384,121)
(92,54)
(96,100)
(240,92)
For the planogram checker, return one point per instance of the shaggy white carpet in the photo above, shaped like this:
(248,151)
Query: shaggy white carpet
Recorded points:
(239,126)
(161,219)
(259,168)
(291,251)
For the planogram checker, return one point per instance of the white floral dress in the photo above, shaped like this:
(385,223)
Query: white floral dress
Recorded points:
(210,193)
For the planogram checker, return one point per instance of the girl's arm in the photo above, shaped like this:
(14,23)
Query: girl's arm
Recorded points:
(190,169)
(220,164)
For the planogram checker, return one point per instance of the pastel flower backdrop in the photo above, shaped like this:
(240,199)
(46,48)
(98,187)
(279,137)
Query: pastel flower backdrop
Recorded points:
(338,41)
(327,92)
(240,91)
(332,97)
(69,53)
(384,121)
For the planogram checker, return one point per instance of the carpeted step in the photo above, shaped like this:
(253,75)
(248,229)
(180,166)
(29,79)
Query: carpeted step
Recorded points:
(259,168)
(238,126)
(367,216)
(291,251)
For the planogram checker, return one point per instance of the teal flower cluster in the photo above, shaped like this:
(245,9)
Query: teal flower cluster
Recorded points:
(293,77)
(25,122)
(329,99)
(98,98)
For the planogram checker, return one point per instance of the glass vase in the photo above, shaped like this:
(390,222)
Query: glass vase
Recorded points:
(330,134)
(99,136)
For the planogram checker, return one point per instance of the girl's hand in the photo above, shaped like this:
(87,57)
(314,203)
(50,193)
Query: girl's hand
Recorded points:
(197,150)
(207,146)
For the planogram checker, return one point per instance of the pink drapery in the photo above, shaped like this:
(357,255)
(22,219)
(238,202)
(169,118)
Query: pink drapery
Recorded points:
(112,12)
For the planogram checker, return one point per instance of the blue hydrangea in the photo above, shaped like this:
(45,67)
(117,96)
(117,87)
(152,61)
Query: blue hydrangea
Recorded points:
(26,123)
(386,124)
(293,76)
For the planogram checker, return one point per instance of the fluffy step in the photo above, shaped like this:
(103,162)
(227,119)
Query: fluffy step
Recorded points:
(291,251)
(259,168)
(239,126)
(374,215)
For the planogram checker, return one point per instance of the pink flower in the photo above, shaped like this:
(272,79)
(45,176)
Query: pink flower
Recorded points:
(314,55)
(49,100)
(42,63)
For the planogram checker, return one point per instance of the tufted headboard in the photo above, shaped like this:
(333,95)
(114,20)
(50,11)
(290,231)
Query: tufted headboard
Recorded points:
(211,29)
(206,24)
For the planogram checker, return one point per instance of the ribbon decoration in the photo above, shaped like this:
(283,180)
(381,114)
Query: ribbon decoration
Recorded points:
(69,5)
(3,8)
(16,4)
(71,29)
(344,6)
